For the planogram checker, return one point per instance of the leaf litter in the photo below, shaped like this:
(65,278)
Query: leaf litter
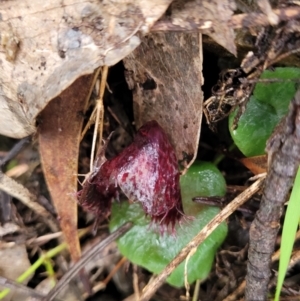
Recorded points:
(110,123)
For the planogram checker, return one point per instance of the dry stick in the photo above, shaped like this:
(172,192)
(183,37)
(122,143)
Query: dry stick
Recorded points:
(236,21)
(186,282)
(17,148)
(114,270)
(99,111)
(96,74)
(101,285)
(21,193)
(199,238)
(17,190)
(96,115)
(135,283)
(47,237)
(63,282)
(284,153)
(20,288)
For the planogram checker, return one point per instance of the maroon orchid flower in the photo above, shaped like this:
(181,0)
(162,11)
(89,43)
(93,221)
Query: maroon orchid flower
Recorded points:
(146,172)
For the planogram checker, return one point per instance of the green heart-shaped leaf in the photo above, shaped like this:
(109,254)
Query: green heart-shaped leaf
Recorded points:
(265,109)
(144,246)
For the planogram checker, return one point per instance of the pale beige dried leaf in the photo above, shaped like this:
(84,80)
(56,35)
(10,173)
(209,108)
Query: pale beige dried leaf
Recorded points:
(13,262)
(47,45)
(8,228)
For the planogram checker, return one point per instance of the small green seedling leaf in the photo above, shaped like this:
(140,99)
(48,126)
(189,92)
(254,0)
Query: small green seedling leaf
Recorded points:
(265,109)
(145,246)
(290,226)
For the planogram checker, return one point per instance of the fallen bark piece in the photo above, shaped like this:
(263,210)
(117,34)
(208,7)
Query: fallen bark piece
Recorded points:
(165,74)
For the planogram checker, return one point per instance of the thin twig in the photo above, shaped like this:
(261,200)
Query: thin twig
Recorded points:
(199,238)
(20,287)
(45,238)
(21,193)
(96,74)
(114,270)
(17,148)
(99,115)
(102,285)
(63,282)
(135,282)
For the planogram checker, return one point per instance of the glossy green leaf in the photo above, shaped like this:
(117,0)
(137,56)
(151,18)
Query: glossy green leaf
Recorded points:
(143,245)
(265,109)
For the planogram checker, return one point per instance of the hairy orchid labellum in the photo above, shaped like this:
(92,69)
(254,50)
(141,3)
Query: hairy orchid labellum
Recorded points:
(146,172)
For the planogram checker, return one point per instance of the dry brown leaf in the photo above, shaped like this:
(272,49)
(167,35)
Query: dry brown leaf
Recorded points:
(257,164)
(216,13)
(165,73)
(59,137)
(47,45)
